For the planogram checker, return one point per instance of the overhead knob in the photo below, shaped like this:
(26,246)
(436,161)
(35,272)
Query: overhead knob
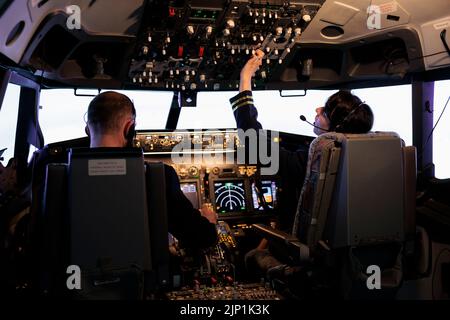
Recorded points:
(306,18)
(231,24)
(190,29)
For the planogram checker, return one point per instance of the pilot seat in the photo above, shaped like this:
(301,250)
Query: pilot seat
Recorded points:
(354,224)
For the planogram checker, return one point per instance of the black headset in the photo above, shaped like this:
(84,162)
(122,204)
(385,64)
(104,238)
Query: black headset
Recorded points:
(347,117)
(129,136)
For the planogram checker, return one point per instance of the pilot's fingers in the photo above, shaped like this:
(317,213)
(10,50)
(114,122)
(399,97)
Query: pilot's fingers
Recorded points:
(257,60)
(259,53)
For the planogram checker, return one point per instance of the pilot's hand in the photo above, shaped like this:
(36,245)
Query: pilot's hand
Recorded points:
(248,71)
(253,64)
(207,211)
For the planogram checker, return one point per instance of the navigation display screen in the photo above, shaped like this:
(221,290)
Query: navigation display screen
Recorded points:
(190,191)
(229,196)
(269,192)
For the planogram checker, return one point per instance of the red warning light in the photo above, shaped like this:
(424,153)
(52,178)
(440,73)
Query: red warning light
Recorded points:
(172,12)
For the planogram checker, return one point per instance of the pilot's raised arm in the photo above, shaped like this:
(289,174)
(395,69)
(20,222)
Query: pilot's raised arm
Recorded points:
(292,165)
(244,111)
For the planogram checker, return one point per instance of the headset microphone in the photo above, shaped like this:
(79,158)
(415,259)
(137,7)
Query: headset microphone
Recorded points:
(303,118)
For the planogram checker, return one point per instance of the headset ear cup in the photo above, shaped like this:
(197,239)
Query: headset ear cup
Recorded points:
(86,129)
(129,136)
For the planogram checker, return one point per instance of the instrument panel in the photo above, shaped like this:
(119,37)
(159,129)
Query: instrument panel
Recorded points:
(202,45)
(207,164)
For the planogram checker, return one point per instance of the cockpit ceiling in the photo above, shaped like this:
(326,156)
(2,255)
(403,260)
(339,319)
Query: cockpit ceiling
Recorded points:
(202,44)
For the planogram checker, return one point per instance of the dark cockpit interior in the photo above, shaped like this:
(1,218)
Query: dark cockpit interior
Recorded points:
(370,221)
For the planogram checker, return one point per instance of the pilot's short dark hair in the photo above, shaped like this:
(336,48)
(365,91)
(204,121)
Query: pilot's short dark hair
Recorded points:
(348,114)
(107,109)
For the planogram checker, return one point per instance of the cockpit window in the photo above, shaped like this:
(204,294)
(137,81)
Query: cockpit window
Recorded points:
(213,111)
(441,134)
(8,122)
(392,109)
(62,116)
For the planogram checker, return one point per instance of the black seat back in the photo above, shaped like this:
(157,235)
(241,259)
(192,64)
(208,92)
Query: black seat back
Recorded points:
(107,206)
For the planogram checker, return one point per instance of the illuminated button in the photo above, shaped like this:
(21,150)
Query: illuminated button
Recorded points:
(226,32)
(209,30)
(298,31)
(145,50)
(306,18)
(279,31)
(231,24)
